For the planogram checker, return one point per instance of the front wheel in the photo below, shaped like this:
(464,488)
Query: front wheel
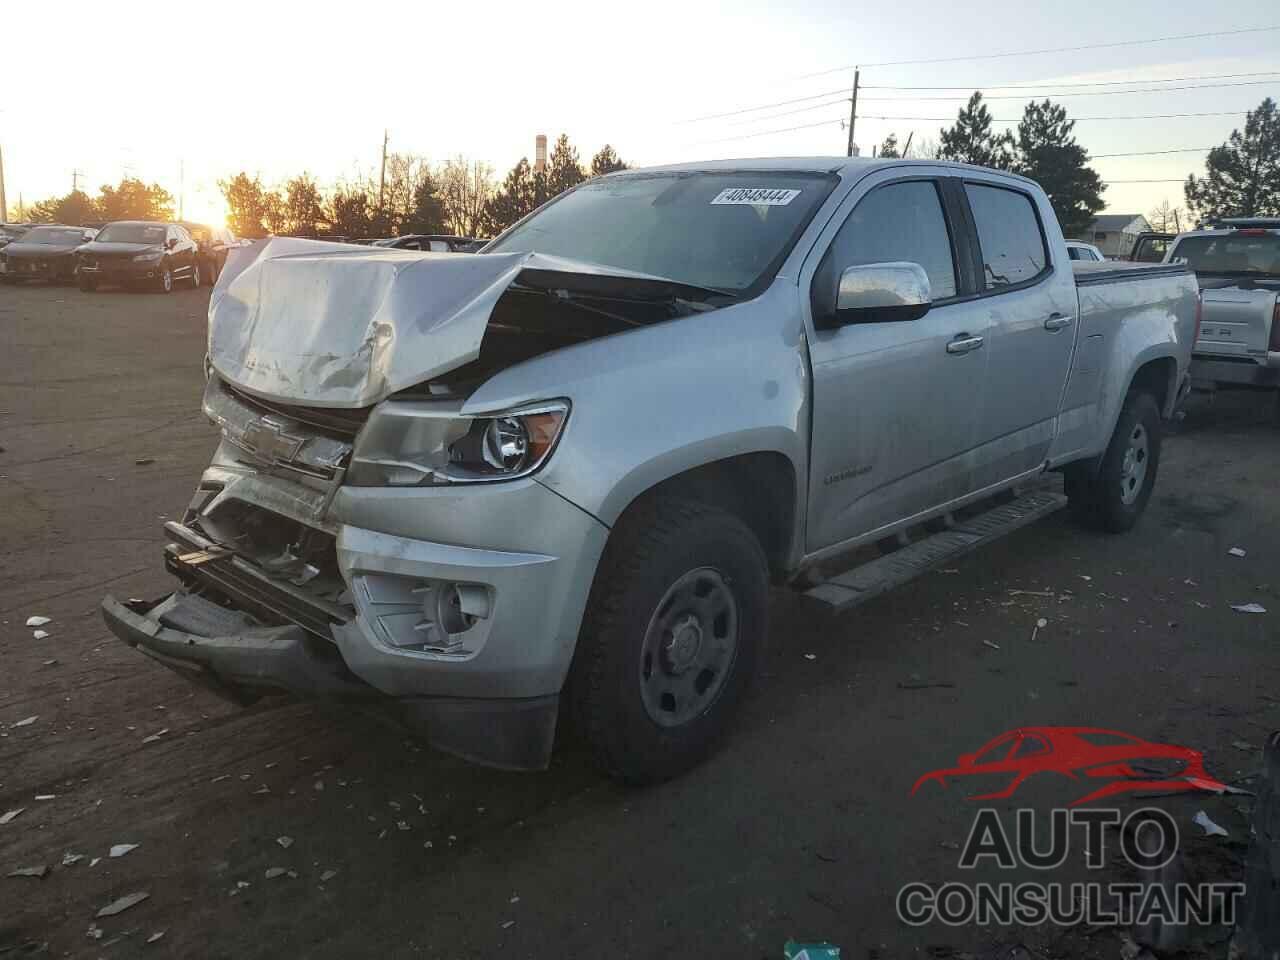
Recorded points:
(165,282)
(195,276)
(1114,496)
(677,618)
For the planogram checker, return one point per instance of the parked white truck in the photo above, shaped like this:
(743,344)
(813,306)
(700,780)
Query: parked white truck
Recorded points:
(1237,264)
(558,479)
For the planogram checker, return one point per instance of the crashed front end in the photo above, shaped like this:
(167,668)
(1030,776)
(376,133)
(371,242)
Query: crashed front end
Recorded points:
(350,539)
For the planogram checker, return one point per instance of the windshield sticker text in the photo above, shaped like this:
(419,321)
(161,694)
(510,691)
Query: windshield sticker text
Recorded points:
(756,196)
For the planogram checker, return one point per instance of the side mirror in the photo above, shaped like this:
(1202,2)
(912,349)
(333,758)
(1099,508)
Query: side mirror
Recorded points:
(880,293)
(171,242)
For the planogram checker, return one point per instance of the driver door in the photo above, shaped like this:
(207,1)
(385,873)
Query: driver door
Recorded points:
(895,404)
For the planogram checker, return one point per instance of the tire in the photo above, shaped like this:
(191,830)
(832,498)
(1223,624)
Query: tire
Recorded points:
(677,619)
(195,276)
(87,284)
(1113,497)
(164,284)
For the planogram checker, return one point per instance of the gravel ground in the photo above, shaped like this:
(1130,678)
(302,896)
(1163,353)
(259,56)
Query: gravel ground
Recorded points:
(802,827)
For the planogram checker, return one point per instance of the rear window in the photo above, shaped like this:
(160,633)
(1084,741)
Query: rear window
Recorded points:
(1231,253)
(1013,249)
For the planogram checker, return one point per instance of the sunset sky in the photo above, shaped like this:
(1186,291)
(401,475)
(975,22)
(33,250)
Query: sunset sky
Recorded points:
(149,90)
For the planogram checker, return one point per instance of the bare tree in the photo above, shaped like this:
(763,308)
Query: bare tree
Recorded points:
(464,190)
(1167,218)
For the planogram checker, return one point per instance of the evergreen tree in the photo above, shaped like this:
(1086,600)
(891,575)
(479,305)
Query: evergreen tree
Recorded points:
(1049,154)
(1242,176)
(563,169)
(971,139)
(605,161)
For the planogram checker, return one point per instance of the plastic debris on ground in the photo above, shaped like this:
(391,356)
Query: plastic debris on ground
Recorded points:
(811,656)
(993,646)
(1211,829)
(40,634)
(120,849)
(46,796)
(1237,552)
(1242,745)
(810,951)
(69,859)
(1040,625)
(328,875)
(156,936)
(273,872)
(285,842)
(37,621)
(37,872)
(1248,608)
(122,904)
(28,721)
(155,736)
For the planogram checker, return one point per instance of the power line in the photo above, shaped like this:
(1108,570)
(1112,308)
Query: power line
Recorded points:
(1084,93)
(788,113)
(1022,85)
(765,133)
(1151,153)
(1110,182)
(765,106)
(1030,53)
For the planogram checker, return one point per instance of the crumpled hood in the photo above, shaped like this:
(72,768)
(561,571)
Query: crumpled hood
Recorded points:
(339,325)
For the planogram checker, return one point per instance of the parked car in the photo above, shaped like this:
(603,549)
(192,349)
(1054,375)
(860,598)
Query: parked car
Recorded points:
(1237,263)
(212,245)
(140,252)
(567,471)
(1151,247)
(46,252)
(436,243)
(1079,250)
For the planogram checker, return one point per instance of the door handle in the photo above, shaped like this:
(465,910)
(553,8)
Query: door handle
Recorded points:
(1057,321)
(964,343)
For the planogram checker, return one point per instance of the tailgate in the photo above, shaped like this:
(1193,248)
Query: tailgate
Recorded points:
(1236,323)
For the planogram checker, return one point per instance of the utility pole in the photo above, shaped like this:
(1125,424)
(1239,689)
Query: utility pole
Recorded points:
(182,186)
(907,149)
(75,180)
(853,111)
(4,208)
(382,177)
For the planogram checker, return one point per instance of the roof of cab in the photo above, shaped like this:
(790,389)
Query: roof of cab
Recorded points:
(844,166)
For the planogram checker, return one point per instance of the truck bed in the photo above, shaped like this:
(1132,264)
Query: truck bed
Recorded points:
(1113,271)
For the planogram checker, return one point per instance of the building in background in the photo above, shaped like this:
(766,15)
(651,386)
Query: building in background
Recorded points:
(540,153)
(1116,233)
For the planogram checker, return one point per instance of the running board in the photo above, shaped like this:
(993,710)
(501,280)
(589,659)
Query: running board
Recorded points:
(884,573)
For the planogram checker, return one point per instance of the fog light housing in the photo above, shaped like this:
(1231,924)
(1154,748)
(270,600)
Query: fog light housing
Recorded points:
(431,616)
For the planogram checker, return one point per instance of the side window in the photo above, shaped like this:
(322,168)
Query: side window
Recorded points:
(900,221)
(1013,247)
(1075,253)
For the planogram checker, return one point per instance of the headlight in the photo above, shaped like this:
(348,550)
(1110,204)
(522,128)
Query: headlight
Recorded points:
(148,257)
(412,444)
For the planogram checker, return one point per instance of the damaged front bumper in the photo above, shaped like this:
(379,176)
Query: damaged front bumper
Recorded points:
(362,617)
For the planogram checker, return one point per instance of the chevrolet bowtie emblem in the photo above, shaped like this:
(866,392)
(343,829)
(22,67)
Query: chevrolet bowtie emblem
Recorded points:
(268,442)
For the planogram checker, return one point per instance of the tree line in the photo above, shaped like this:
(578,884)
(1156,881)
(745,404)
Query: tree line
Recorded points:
(130,199)
(458,197)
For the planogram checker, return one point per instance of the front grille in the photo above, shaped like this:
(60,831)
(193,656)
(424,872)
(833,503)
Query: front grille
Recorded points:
(340,424)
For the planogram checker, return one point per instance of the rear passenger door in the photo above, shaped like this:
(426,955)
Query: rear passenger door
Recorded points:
(1029,303)
(895,405)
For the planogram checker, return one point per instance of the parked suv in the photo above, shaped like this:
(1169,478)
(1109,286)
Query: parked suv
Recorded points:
(566,471)
(140,253)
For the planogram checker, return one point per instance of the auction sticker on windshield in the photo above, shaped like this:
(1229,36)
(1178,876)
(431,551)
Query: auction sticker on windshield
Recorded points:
(756,196)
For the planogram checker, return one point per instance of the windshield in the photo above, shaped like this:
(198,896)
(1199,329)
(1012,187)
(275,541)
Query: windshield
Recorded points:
(54,235)
(132,233)
(723,231)
(1237,252)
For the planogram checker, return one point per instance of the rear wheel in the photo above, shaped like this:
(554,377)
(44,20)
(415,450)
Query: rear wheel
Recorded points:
(1113,497)
(195,276)
(676,621)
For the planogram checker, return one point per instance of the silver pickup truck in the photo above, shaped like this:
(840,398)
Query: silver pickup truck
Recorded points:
(1237,263)
(557,480)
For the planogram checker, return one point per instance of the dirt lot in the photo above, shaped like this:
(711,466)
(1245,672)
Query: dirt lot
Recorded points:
(802,827)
